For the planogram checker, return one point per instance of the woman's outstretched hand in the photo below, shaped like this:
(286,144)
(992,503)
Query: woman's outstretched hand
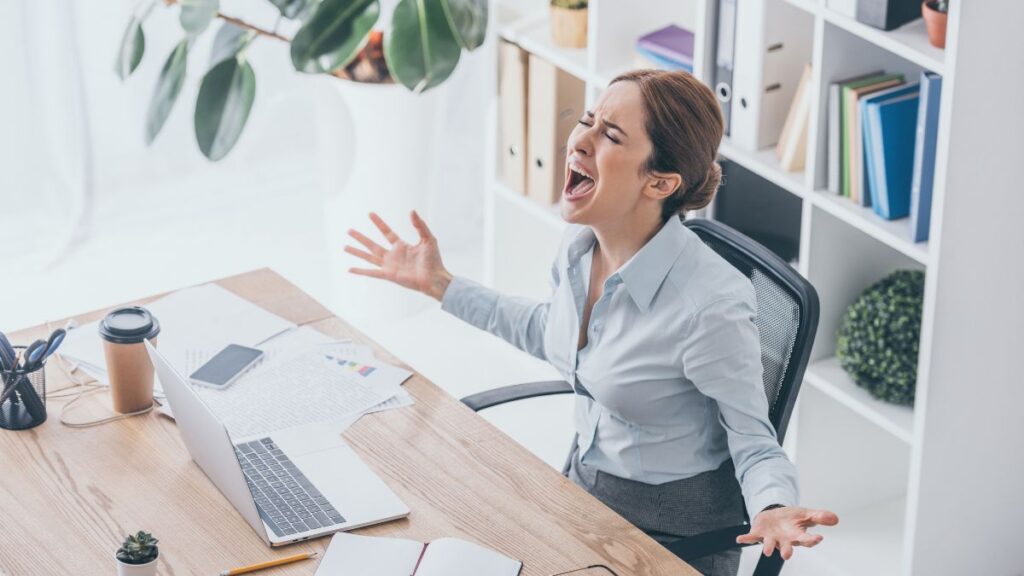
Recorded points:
(786,527)
(415,266)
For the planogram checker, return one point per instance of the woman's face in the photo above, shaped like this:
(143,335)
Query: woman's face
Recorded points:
(605,180)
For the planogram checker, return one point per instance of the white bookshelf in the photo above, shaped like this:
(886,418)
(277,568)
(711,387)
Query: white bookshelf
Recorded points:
(904,480)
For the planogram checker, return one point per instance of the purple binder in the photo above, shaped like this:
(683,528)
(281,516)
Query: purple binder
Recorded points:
(670,42)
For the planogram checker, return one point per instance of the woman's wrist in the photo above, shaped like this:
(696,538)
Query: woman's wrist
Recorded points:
(439,284)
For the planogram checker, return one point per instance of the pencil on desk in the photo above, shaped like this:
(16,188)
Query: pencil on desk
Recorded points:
(269,564)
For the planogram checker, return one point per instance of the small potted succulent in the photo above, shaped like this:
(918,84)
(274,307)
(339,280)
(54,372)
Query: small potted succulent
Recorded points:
(138,555)
(569,23)
(934,12)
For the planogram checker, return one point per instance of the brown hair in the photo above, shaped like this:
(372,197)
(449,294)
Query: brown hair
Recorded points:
(684,123)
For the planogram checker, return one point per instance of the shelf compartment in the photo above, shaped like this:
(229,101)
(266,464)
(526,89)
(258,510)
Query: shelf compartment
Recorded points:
(766,165)
(829,377)
(533,34)
(894,233)
(909,41)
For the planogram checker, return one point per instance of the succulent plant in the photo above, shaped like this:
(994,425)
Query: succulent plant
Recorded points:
(138,548)
(569,4)
(879,336)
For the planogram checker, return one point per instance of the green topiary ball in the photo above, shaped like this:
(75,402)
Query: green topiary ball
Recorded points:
(879,336)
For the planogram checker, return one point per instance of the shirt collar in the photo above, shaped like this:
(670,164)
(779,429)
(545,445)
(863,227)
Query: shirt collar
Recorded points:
(645,272)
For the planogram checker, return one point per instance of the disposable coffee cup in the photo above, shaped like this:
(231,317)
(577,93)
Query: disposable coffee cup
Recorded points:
(124,332)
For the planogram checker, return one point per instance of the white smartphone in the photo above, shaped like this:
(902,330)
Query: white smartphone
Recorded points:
(226,366)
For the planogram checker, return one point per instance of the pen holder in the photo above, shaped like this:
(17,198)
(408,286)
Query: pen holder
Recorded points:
(25,406)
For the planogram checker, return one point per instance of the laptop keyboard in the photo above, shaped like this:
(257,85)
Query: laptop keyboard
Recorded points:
(287,501)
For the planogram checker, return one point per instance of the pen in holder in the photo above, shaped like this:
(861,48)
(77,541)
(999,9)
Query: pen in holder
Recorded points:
(23,399)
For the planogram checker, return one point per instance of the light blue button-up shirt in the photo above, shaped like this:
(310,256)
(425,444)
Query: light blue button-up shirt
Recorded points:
(669,384)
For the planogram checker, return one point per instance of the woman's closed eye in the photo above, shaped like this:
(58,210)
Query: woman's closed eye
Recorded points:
(606,132)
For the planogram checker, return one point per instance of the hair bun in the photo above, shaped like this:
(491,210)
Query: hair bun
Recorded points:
(702,194)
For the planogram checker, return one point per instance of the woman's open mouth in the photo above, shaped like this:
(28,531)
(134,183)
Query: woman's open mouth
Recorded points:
(578,183)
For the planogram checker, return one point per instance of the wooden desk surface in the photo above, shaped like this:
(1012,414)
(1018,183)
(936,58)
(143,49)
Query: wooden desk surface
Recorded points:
(68,496)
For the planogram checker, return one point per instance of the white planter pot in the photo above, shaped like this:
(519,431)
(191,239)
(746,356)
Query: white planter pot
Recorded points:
(147,569)
(377,151)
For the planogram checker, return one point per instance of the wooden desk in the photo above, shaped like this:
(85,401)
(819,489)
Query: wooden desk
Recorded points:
(68,496)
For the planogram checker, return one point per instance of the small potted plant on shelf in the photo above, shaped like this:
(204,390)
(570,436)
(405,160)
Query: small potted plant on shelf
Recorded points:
(137,555)
(934,12)
(569,23)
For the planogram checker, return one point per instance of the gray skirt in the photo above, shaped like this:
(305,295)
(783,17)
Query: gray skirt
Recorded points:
(674,510)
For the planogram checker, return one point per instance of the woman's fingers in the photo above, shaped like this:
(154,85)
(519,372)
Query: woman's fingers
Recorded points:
(421,227)
(748,538)
(364,255)
(372,246)
(808,540)
(786,549)
(372,273)
(823,517)
(769,546)
(385,229)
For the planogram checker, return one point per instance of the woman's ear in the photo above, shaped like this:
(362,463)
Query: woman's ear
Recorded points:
(661,185)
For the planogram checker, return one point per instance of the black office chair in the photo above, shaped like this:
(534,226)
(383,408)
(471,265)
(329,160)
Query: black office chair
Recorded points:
(787,319)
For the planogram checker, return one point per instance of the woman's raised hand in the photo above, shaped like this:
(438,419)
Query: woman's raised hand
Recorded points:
(786,527)
(415,266)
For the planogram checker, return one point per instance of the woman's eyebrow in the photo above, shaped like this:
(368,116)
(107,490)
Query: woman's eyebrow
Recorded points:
(609,124)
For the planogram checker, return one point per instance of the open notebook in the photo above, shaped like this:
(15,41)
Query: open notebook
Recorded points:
(352,555)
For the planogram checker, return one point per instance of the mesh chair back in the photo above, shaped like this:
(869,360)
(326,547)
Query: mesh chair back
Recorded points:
(787,313)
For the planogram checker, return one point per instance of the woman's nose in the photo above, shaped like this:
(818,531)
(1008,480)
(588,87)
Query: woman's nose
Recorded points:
(580,144)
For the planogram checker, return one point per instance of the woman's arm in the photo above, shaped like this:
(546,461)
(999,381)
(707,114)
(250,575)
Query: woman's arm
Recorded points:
(722,357)
(419,267)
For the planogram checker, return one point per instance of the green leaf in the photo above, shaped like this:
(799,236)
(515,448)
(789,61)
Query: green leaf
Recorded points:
(334,35)
(468,21)
(197,14)
(228,42)
(225,99)
(290,8)
(421,50)
(172,77)
(133,44)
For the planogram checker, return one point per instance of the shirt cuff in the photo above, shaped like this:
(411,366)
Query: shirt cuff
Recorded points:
(766,498)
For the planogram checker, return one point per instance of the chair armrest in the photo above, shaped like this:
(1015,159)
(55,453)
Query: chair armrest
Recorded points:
(714,541)
(488,398)
(711,542)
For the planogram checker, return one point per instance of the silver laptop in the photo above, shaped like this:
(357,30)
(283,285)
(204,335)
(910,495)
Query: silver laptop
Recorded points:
(290,485)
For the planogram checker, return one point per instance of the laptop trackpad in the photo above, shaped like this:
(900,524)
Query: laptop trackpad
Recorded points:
(341,476)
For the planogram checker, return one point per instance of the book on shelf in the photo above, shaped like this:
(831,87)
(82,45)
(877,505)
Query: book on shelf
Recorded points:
(889,126)
(835,140)
(870,144)
(926,135)
(792,147)
(671,43)
(350,555)
(645,59)
(852,165)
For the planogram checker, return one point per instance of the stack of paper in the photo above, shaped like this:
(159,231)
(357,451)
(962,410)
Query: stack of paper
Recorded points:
(303,377)
(206,316)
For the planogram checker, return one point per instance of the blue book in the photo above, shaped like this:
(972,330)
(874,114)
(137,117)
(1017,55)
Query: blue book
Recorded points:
(924,155)
(892,124)
(868,191)
(664,63)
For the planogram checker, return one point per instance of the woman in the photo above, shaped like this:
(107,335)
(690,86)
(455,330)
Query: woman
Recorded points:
(654,329)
